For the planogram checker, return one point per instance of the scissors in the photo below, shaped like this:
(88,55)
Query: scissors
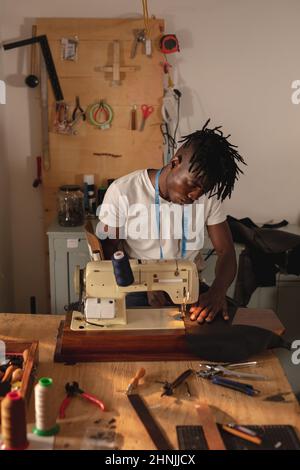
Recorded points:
(146,110)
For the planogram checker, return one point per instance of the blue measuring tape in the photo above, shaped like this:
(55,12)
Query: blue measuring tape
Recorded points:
(157,212)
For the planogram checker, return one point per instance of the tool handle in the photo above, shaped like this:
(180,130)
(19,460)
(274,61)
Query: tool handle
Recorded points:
(133,118)
(94,400)
(135,380)
(238,386)
(63,407)
(181,378)
(243,435)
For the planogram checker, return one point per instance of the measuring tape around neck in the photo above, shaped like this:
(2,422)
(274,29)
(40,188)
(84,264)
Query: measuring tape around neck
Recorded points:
(157,212)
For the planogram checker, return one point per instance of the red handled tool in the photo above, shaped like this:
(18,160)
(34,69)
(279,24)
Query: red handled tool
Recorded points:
(72,389)
(38,179)
(146,111)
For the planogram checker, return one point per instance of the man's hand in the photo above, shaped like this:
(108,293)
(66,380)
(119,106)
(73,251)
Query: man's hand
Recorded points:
(157,298)
(209,305)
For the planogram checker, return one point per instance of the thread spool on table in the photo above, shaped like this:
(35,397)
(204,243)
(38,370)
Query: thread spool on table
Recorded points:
(13,422)
(45,416)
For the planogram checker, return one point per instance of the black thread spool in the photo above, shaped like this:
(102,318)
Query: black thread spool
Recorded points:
(122,269)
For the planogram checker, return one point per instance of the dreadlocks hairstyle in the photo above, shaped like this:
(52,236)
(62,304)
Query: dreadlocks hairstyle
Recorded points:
(214,160)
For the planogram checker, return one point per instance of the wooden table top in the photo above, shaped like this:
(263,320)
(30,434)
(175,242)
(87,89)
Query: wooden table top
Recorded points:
(109,380)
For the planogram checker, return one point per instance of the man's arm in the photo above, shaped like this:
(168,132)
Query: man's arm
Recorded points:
(221,238)
(214,300)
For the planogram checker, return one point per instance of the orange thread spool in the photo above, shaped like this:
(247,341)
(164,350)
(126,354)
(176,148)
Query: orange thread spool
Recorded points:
(13,418)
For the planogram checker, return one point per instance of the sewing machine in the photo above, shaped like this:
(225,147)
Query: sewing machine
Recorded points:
(104,327)
(104,301)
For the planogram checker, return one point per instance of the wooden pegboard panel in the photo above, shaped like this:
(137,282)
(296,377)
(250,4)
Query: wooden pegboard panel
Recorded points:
(72,156)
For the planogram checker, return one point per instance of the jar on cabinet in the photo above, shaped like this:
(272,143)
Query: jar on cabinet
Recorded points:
(70,206)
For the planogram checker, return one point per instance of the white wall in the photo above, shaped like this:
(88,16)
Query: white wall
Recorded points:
(237,62)
(6,287)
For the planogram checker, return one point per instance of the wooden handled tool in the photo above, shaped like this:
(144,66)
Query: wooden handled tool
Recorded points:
(135,380)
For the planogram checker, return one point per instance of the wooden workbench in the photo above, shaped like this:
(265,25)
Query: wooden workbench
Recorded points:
(108,380)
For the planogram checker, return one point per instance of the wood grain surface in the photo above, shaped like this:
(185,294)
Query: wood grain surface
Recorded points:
(109,381)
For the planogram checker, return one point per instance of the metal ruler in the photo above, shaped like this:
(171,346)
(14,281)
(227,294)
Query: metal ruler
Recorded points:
(43,41)
(154,431)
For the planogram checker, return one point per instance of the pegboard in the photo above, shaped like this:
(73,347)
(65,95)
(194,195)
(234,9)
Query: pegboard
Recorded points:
(71,156)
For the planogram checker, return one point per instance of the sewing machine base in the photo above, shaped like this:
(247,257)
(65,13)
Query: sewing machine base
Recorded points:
(115,344)
(155,319)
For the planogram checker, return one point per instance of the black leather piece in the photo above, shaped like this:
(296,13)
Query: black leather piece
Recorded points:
(219,341)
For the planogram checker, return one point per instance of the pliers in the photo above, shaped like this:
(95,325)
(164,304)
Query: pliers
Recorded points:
(78,110)
(72,389)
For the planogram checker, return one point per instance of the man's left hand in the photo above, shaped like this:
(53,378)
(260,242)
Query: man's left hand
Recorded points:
(209,305)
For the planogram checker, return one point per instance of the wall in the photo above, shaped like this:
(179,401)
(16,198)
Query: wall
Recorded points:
(237,62)
(6,287)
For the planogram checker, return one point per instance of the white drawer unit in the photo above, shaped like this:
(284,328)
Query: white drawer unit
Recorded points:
(67,249)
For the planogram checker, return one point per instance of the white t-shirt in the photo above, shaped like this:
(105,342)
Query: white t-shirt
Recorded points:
(129,204)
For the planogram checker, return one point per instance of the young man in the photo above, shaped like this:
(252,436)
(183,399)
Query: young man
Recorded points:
(148,208)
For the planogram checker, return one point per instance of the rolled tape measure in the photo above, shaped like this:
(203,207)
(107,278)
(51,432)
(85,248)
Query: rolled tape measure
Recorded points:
(169,44)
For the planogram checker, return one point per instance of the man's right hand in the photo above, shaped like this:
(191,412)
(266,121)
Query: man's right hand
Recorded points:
(158,298)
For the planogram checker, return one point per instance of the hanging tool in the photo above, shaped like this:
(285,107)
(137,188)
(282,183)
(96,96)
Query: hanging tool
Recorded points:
(32,80)
(146,111)
(72,389)
(170,386)
(139,38)
(78,111)
(166,68)
(38,179)
(116,68)
(169,44)
(45,118)
(95,112)
(46,51)
(135,380)
(156,434)
(133,118)
(62,124)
